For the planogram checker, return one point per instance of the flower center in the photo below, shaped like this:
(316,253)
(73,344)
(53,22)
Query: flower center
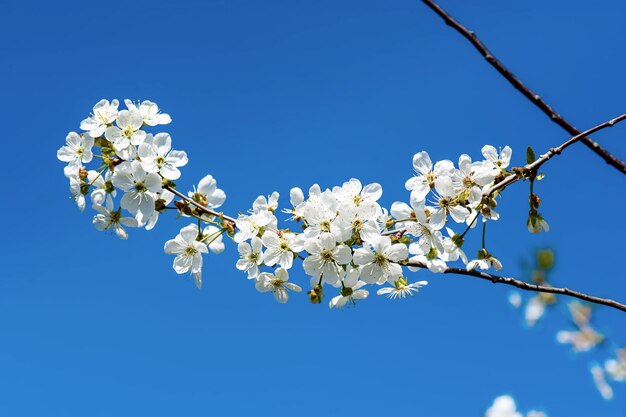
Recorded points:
(190,251)
(325,225)
(430,178)
(109,187)
(199,198)
(159,161)
(445,202)
(346,291)
(128,132)
(380,259)
(327,255)
(140,187)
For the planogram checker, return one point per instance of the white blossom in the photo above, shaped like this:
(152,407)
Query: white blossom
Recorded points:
(325,259)
(426,174)
(599,379)
(188,251)
(430,259)
(486,261)
(252,225)
(109,219)
(149,112)
(139,188)
(208,194)
(104,113)
(378,260)
(277,283)
(585,337)
(251,256)
(351,290)
(103,189)
(128,130)
(157,156)
(499,161)
(616,367)
(72,172)
(281,248)
(163,198)
(269,203)
(77,149)
(401,288)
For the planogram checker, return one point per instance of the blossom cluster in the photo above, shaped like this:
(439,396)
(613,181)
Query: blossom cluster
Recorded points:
(347,240)
(343,236)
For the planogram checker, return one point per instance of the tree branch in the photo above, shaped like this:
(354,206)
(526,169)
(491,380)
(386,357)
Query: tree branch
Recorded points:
(200,206)
(534,166)
(496,279)
(522,88)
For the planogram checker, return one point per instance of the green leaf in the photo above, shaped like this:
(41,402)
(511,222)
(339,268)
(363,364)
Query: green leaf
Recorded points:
(530,155)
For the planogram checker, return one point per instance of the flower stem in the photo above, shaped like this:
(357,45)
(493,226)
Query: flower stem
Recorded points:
(484,229)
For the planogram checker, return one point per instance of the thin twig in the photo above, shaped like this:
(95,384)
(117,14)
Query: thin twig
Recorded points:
(521,87)
(534,166)
(497,279)
(200,206)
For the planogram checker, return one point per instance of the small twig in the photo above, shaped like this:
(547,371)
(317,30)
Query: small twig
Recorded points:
(496,279)
(521,87)
(534,166)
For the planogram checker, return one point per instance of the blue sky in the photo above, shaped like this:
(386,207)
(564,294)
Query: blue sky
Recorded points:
(270,95)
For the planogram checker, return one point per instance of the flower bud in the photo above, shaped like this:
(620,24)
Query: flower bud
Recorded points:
(545,259)
(159,205)
(316,294)
(458,240)
(109,187)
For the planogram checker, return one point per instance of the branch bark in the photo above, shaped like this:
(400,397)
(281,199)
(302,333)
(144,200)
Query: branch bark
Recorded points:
(200,206)
(522,88)
(534,166)
(497,279)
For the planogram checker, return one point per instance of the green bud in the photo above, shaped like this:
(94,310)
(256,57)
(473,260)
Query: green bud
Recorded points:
(109,187)
(168,183)
(401,283)
(530,155)
(545,259)
(316,294)
(458,240)
(159,205)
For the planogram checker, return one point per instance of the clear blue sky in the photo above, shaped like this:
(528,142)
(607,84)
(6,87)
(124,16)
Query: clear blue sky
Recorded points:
(274,94)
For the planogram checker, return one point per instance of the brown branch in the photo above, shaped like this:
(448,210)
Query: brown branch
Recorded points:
(496,279)
(200,206)
(534,166)
(522,88)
